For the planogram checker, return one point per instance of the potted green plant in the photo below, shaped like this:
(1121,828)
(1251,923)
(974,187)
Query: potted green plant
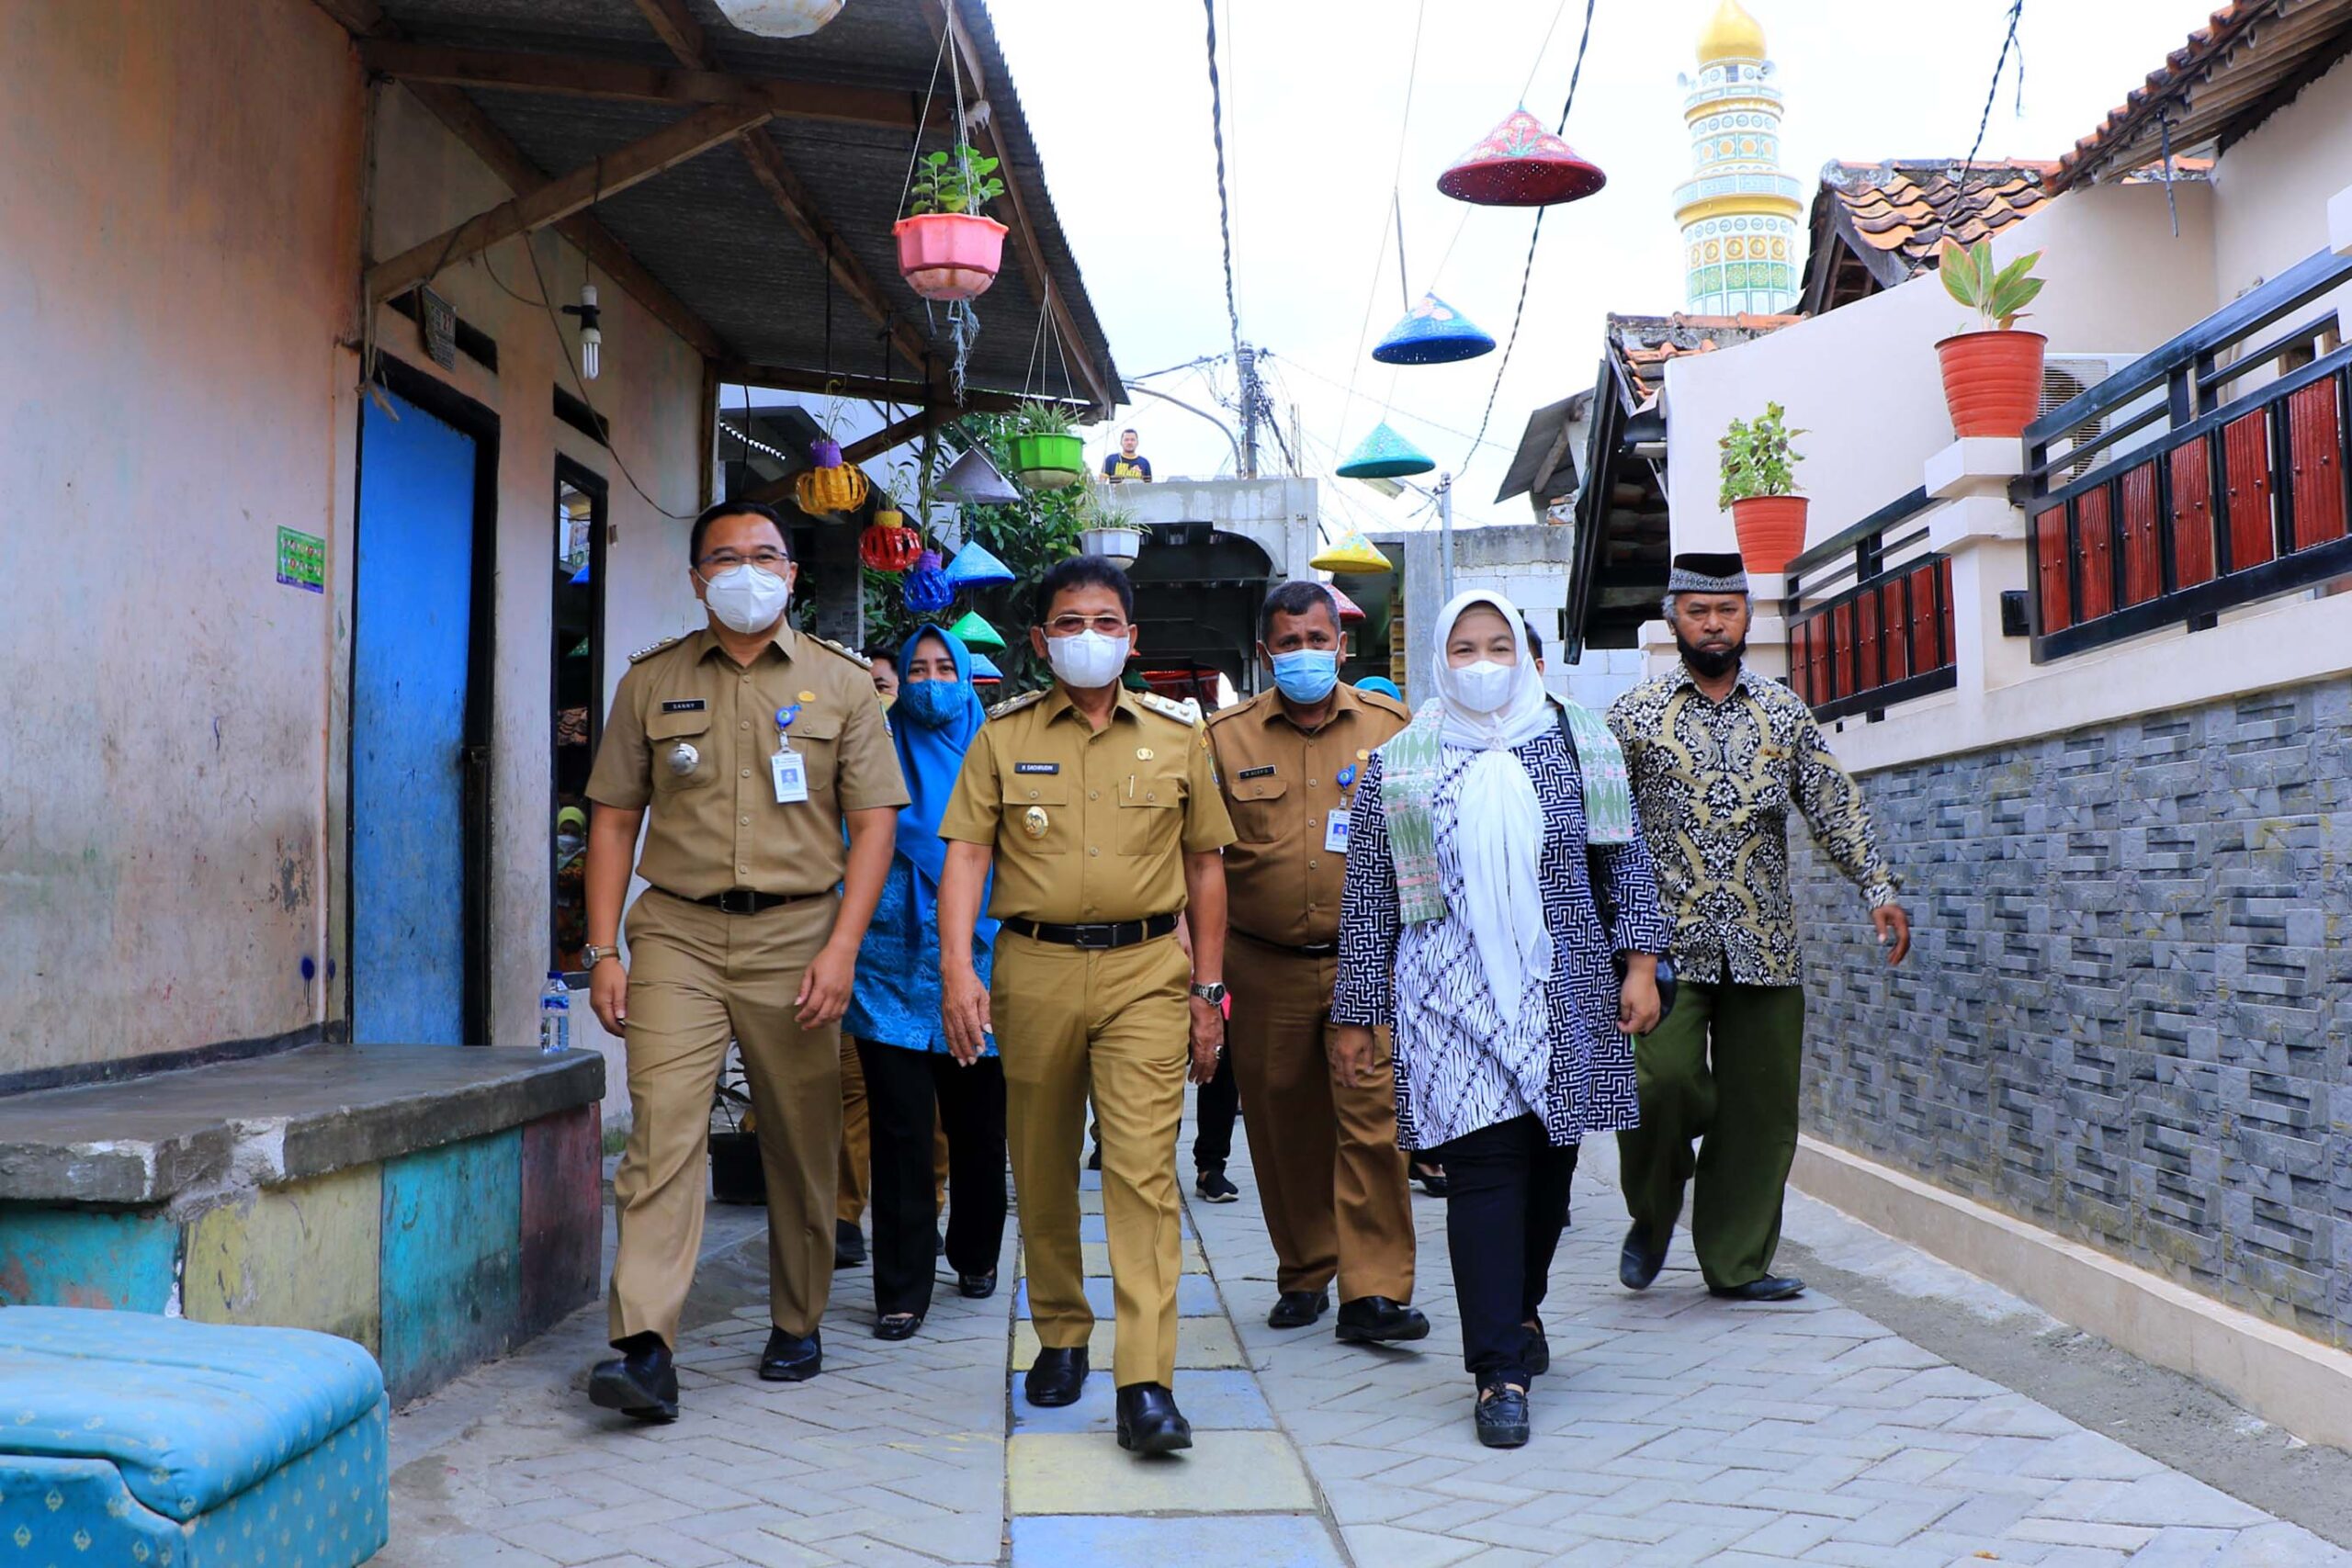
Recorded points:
(948,249)
(1111,528)
(1992,375)
(1760,480)
(1046,452)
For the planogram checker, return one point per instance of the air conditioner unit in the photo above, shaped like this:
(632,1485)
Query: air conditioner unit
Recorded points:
(2066,377)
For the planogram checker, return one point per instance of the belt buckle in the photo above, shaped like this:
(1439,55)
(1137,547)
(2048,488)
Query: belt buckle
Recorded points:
(1097,938)
(738,901)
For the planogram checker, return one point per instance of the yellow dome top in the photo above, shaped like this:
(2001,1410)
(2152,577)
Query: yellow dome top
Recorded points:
(1732,34)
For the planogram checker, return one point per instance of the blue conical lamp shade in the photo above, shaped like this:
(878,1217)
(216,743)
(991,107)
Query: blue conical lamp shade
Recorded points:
(1385,455)
(1435,334)
(974,565)
(984,668)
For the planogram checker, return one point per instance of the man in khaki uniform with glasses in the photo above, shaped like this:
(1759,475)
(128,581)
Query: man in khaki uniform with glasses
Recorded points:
(1098,810)
(759,765)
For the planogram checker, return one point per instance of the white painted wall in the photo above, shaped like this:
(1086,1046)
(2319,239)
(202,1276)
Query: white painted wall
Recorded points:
(2270,190)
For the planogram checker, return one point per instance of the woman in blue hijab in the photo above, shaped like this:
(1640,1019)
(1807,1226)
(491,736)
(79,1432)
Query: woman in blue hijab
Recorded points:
(894,1013)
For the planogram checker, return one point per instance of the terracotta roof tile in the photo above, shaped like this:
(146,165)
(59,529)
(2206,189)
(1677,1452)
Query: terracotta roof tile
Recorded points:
(1642,345)
(1907,207)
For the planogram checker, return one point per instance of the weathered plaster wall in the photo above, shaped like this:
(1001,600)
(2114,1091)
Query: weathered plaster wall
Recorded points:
(180,251)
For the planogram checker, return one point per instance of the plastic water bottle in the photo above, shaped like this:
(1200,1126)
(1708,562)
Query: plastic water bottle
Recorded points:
(555,1015)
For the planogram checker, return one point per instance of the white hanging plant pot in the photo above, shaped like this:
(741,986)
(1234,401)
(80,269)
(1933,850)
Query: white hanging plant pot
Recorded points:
(780,19)
(1118,545)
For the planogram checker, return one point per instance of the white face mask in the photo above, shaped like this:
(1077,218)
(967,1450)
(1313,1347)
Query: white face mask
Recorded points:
(1485,686)
(1088,660)
(746,599)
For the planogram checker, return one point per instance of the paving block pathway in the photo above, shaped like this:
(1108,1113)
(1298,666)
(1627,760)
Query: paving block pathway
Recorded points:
(1674,1430)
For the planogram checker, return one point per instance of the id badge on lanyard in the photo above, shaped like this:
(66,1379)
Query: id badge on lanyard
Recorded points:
(788,769)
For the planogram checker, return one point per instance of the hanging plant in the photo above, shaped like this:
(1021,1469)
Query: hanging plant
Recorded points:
(948,249)
(1046,452)
(832,485)
(888,545)
(928,591)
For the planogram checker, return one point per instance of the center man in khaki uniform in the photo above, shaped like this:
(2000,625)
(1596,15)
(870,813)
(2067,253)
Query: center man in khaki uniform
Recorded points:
(760,766)
(1323,1142)
(1100,811)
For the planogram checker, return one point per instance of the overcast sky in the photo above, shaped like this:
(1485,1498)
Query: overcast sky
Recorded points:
(1116,92)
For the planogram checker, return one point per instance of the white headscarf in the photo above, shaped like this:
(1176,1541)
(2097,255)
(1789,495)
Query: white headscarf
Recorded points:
(1500,826)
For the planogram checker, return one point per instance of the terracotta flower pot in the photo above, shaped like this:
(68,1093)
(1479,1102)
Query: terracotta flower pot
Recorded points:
(1992,380)
(1771,531)
(1048,462)
(950,255)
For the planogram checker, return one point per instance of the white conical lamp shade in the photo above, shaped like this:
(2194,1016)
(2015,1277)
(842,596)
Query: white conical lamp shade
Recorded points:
(780,19)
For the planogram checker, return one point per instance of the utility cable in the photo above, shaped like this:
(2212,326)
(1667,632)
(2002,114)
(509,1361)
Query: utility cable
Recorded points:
(1993,91)
(1224,203)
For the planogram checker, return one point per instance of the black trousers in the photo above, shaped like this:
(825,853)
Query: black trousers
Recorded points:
(1507,1201)
(905,1089)
(1214,1114)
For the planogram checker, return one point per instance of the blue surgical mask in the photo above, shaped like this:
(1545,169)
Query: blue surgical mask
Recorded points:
(929,703)
(1306,675)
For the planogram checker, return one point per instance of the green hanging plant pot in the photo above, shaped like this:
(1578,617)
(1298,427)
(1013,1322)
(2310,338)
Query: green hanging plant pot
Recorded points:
(1048,462)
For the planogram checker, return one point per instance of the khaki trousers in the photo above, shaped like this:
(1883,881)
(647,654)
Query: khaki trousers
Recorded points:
(1116,1024)
(696,978)
(1329,1174)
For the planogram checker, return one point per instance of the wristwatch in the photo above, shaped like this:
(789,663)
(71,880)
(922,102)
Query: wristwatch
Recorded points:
(1210,991)
(591,956)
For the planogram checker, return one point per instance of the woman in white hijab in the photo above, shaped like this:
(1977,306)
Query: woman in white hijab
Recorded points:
(1471,923)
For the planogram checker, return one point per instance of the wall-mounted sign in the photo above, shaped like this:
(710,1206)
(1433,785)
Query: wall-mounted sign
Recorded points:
(302,560)
(437,319)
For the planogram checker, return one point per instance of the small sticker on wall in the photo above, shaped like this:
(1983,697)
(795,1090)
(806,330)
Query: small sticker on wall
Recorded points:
(302,560)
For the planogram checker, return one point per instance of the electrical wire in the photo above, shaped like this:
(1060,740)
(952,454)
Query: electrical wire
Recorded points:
(1337,385)
(1527,272)
(1224,204)
(1993,91)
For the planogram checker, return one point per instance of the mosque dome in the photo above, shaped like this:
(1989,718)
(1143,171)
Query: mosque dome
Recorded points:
(1732,34)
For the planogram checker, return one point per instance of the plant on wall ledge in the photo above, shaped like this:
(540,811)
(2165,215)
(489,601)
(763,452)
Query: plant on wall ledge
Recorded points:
(1992,375)
(1760,462)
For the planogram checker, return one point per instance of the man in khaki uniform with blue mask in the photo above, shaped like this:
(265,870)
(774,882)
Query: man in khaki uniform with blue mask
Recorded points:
(759,765)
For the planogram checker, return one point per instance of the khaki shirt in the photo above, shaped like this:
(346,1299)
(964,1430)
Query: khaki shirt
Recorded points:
(716,824)
(1088,825)
(1283,785)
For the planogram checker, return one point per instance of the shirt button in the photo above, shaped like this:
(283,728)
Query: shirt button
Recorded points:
(742,871)
(1093,851)
(1033,795)
(745,725)
(1094,794)
(1310,864)
(747,772)
(744,821)
(1149,796)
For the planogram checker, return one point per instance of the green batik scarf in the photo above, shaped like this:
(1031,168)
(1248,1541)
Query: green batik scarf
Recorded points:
(1412,763)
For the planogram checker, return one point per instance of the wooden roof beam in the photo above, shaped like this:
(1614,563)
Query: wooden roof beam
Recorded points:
(561,197)
(559,75)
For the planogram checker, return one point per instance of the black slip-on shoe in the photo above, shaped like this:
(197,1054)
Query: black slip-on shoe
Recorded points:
(1297,1309)
(642,1383)
(1502,1416)
(1431,1177)
(1214,1188)
(898,1326)
(792,1357)
(1636,1264)
(1056,1378)
(977,1287)
(1771,1288)
(1376,1320)
(1150,1422)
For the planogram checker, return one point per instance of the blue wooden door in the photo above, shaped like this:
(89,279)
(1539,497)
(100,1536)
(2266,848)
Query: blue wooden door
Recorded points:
(412,632)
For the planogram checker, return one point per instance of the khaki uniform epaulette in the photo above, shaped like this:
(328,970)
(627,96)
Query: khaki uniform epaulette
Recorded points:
(1169,707)
(642,654)
(1385,703)
(848,653)
(1015,704)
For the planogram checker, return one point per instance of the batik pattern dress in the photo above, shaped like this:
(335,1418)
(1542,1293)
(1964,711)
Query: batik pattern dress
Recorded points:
(1459,1066)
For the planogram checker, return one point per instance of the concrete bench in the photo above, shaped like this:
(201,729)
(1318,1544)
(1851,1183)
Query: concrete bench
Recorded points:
(131,1440)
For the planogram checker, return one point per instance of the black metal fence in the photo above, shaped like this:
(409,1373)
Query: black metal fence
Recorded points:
(1870,615)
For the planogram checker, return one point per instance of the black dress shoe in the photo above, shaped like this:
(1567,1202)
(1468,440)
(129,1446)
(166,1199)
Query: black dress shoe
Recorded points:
(1056,1378)
(1539,1354)
(1150,1422)
(1297,1309)
(1376,1320)
(1637,1265)
(849,1245)
(1771,1288)
(1431,1177)
(1094,1158)
(640,1383)
(1502,1417)
(977,1287)
(898,1326)
(791,1358)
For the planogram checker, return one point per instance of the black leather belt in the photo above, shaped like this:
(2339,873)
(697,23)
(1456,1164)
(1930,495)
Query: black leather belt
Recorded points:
(1312,950)
(1095,937)
(744,901)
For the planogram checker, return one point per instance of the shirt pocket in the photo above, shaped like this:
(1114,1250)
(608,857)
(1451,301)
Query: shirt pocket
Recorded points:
(665,733)
(816,737)
(1038,817)
(1257,807)
(1149,822)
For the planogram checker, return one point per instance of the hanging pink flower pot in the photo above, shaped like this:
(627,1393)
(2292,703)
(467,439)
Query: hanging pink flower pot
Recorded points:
(950,255)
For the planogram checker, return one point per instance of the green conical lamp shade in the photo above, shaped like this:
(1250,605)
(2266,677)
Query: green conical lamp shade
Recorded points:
(1355,555)
(1385,455)
(973,632)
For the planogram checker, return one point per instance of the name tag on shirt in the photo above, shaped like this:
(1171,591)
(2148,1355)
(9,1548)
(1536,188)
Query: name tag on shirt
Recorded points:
(790,772)
(1335,832)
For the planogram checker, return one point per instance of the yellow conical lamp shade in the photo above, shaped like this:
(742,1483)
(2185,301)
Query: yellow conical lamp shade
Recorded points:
(1354,553)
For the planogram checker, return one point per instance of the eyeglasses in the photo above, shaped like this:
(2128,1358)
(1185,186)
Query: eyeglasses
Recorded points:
(766,560)
(1070,625)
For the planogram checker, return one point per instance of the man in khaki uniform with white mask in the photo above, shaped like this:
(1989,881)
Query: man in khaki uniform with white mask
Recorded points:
(761,769)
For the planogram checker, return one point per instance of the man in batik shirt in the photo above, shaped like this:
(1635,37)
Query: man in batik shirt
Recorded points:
(1717,755)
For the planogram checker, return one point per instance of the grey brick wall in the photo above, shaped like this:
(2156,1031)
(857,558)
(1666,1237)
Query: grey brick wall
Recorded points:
(2127,1017)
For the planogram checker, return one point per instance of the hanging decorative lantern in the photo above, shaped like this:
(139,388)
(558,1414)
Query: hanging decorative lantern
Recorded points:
(832,485)
(928,591)
(1520,164)
(974,567)
(984,669)
(1347,608)
(976,633)
(1385,455)
(974,479)
(888,545)
(780,19)
(1352,554)
(1434,333)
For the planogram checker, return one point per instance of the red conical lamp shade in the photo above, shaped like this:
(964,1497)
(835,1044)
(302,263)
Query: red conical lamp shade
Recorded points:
(1520,164)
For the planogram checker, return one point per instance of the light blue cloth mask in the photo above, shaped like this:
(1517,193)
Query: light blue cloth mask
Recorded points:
(1306,675)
